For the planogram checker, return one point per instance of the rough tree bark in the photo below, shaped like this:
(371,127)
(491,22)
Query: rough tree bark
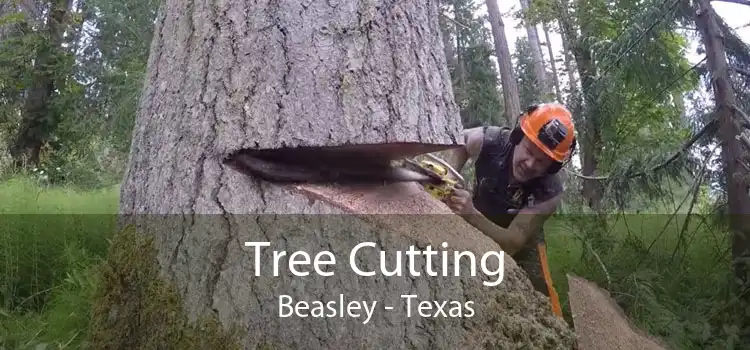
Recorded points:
(229,76)
(508,80)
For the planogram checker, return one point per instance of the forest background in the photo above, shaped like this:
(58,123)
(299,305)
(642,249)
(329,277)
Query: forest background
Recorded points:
(634,72)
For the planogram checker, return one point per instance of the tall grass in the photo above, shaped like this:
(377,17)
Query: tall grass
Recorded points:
(50,238)
(672,282)
(671,278)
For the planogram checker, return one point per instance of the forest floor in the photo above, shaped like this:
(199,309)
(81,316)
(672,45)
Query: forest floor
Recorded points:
(47,262)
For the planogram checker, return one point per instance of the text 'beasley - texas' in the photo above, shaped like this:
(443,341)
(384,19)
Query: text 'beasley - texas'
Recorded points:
(397,268)
(364,310)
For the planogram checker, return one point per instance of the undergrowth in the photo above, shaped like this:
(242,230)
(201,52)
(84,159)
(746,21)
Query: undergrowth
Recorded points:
(671,278)
(51,239)
(672,282)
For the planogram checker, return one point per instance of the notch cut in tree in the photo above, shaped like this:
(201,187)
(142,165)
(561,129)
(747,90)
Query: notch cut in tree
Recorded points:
(228,78)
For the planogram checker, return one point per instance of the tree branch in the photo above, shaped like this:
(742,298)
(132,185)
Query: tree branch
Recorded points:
(706,129)
(741,2)
(741,71)
(745,118)
(453,20)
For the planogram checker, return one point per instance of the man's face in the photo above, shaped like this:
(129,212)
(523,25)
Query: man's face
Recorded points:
(529,161)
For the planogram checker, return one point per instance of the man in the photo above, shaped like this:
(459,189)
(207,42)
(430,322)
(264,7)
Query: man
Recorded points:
(516,173)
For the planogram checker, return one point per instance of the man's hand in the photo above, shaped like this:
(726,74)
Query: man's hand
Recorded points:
(460,202)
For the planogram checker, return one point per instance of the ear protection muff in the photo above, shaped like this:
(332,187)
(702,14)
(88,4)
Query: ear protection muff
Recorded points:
(556,166)
(516,135)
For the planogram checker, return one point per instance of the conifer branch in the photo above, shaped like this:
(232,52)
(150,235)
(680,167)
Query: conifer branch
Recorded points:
(741,2)
(708,128)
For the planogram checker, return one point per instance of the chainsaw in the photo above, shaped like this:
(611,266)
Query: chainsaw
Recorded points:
(443,185)
(320,165)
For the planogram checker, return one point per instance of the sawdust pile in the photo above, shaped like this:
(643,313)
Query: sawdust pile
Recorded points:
(600,323)
(511,315)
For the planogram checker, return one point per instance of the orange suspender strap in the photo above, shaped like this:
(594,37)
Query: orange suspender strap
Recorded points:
(541,247)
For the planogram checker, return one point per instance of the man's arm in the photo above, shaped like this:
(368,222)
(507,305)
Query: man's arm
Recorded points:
(528,222)
(510,240)
(473,139)
(546,208)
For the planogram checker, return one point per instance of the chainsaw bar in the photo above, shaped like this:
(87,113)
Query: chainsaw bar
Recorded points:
(350,171)
(413,165)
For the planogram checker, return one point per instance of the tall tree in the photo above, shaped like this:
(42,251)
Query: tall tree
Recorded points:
(502,53)
(449,44)
(39,118)
(231,77)
(476,86)
(590,139)
(553,63)
(116,60)
(529,90)
(570,69)
(536,52)
(730,133)
(621,94)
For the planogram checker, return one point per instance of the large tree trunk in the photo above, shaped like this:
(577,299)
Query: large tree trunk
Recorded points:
(591,140)
(508,80)
(585,107)
(737,176)
(536,56)
(229,76)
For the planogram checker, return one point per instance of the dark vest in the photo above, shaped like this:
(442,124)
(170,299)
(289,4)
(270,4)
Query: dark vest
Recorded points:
(493,194)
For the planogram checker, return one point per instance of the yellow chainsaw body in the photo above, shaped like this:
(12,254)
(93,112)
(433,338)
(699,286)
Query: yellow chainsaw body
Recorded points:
(444,190)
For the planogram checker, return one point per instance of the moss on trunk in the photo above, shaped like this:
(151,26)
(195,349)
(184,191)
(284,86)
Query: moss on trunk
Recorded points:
(134,307)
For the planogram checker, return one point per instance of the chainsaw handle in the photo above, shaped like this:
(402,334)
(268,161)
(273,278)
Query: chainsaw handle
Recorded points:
(453,171)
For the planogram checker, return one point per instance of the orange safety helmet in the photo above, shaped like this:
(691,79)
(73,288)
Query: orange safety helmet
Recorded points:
(550,127)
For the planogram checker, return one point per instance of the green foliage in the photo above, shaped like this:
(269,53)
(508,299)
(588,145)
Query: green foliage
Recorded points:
(61,277)
(475,79)
(630,121)
(117,63)
(51,241)
(669,274)
(483,105)
(97,85)
(17,51)
(529,89)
